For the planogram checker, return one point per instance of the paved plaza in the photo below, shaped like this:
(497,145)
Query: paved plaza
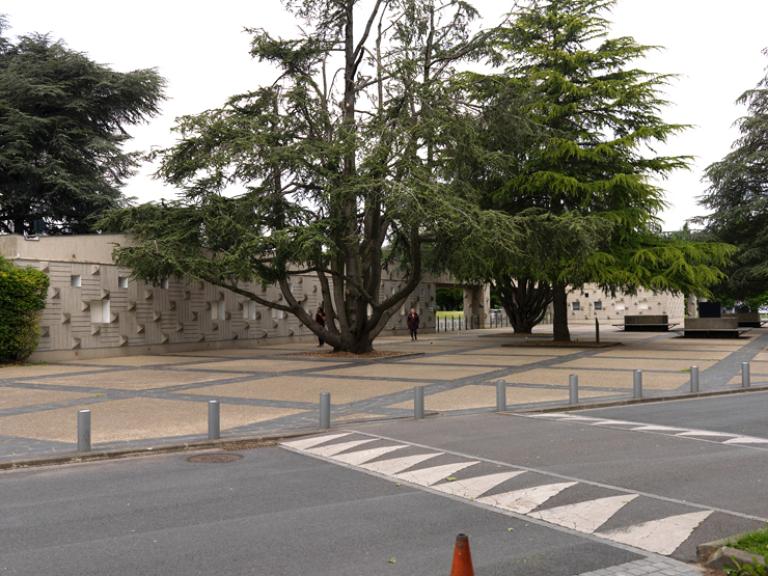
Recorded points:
(154,399)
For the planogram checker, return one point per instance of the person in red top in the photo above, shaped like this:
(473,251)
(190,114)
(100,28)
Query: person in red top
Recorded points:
(413,324)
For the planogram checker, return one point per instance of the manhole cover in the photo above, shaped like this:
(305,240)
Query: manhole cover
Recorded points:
(217,458)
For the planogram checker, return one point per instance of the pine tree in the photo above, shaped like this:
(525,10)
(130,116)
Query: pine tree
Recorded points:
(63,121)
(333,169)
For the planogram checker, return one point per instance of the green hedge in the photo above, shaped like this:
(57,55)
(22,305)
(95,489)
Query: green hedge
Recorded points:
(22,297)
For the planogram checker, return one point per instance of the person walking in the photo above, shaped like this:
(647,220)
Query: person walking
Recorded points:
(320,319)
(413,324)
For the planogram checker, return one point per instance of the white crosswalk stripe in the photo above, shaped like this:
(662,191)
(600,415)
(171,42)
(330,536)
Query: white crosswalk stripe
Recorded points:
(527,499)
(433,475)
(585,516)
(363,456)
(396,465)
(472,488)
(332,449)
(705,434)
(661,536)
(306,443)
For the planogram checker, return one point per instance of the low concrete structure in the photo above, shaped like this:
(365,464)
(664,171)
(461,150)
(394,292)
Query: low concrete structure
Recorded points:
(95,308)
(712,328)
(651,323)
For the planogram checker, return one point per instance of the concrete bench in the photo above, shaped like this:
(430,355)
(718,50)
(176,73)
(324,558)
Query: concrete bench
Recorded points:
(713,328)
(749,319)
(651,323)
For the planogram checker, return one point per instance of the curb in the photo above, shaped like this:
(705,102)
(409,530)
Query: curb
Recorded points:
(632,401)
(718,555)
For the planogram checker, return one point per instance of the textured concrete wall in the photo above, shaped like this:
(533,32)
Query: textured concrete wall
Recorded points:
(95,308)
(588,303)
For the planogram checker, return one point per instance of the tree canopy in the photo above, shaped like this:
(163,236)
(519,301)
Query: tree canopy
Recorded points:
(738,198)
(566,132)
(336,168)
(63,126)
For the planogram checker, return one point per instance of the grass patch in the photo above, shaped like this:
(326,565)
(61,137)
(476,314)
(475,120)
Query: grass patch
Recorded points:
(450,314)
(754,542)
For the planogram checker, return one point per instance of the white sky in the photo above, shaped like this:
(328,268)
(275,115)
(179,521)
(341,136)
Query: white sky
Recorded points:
(199,47)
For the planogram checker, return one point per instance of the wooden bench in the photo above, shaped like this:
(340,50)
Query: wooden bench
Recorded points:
(713,328)
(651,323)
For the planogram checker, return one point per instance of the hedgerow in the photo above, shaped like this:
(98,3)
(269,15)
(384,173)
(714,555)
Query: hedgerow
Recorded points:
(22,297)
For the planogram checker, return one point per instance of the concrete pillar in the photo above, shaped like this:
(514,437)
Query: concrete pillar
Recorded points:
(691,309)
(477,305)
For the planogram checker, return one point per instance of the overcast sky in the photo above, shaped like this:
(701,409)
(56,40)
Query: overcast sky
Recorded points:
(202,51)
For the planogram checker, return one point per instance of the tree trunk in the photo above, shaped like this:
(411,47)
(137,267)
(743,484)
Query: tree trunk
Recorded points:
(560,310)
(525,301)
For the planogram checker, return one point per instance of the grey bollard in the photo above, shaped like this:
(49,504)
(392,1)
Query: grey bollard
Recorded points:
(325,410)
(418,402)
(214,420)
(84,431)
(501,396)
(745,376)
(694,379)
(573,389)
(637,384)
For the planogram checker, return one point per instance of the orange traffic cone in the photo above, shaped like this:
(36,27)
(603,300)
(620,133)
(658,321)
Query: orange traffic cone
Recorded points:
(462,557)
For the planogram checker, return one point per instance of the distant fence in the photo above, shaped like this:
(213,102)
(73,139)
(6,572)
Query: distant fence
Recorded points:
(496,319)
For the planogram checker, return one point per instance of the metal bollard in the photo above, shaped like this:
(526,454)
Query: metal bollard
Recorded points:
(694,379)
(637,384)
(325,410)
(214,420)
(84,431)
(573,389)
(745,375)
(418,402)
(501,396)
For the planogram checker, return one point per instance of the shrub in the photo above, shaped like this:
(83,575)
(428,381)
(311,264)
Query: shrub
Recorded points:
(22,297)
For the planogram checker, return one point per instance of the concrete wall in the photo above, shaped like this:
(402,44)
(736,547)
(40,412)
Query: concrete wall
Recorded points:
(590,302)
(94,308)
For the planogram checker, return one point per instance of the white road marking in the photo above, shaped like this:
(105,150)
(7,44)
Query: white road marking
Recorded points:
(661,536)
(472,488)
(556,415)
(613,423)
(746,440)
(654,428)
(585,516)
(433,475)
(396,465)
(313,441)
(363,456)
(705,433)
(525,500)
(333,449)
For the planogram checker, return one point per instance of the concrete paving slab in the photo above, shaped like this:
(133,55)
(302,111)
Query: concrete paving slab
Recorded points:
(474,396)
(13,372)
(21,397)
(265,365)
(135,419)
(627,352)
(142,379)
(496,360)
(603,379)
(304,389)
(635,363)
(523,351)
(402,370)
(135,361)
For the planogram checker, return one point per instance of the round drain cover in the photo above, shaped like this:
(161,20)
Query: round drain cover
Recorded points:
(215,458)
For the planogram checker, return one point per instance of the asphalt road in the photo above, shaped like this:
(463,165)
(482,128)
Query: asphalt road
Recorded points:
(272,513)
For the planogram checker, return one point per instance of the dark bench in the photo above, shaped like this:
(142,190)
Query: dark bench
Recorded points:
(713,328)
(652,323)
(749,319)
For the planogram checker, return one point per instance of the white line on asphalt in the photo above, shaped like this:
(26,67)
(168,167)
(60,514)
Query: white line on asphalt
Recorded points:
(313,441)
(527,499)
(655,428)
(661,536)
(472,488)
(333,449)
(363,456)
(585,516)
(706,434)
(396,465)
(746,440)
(433,475)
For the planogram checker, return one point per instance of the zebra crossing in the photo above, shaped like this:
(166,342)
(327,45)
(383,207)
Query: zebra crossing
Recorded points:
(609,513)
(693,433)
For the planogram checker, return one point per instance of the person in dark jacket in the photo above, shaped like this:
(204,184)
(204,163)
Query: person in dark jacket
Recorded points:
(320,319)
(413,324)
